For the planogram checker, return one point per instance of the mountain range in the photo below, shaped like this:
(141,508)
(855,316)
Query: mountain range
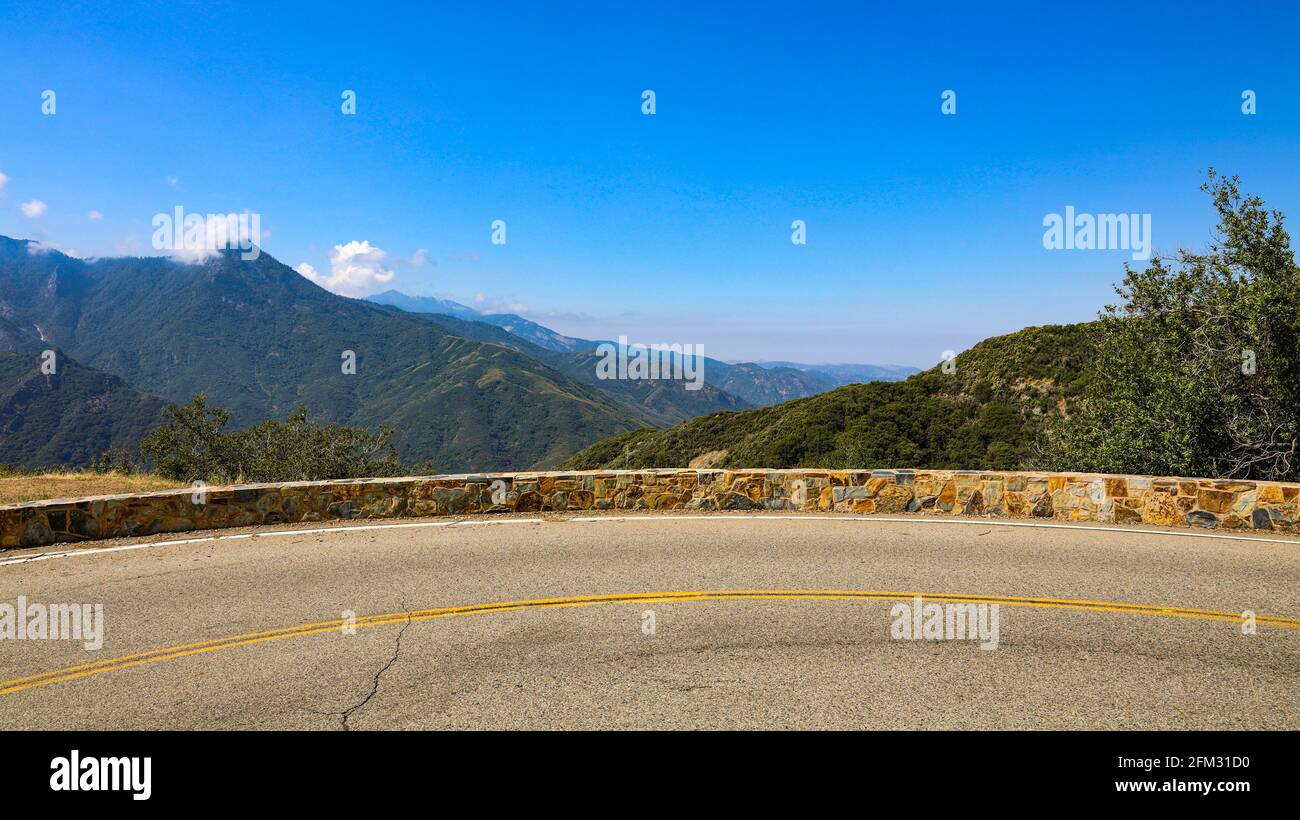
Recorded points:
(463,390)
(518,326)
(842,374)
(757,384)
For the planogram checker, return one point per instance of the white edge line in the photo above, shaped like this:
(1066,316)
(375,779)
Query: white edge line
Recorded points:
(973,522)
(315,530)
(599,518)
(272,534)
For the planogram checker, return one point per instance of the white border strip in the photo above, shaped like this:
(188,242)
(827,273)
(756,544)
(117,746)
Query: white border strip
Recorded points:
(972,522)
(270,534)
(652,518)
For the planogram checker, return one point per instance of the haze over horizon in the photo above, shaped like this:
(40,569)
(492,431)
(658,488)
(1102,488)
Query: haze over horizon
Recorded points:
(924,231)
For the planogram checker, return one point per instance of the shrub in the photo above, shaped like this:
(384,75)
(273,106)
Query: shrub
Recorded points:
(192,445)
(117,461)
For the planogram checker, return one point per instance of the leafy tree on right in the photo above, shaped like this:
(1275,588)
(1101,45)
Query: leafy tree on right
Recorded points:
(1197,371)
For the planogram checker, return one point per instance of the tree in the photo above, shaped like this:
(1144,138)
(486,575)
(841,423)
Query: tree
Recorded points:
(1198,369)
(192,445)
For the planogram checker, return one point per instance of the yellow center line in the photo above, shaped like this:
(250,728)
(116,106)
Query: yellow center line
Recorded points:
(249,638)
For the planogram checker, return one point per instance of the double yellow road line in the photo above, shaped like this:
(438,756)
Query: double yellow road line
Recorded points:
(248,638)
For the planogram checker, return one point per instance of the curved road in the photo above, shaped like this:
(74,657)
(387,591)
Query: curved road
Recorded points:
(457,625)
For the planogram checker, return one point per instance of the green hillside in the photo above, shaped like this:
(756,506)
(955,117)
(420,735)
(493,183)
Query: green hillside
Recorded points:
(663,402)
(68,417)
(655,402)
(987,414)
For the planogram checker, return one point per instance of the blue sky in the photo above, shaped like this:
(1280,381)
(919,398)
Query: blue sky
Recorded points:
(924,231)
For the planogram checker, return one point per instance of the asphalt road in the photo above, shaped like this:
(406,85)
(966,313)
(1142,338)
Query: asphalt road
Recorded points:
(186,641)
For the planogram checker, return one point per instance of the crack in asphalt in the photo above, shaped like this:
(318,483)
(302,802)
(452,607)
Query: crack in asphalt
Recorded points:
(346,714)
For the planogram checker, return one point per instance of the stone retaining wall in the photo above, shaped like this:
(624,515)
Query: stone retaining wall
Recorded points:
(1063,496)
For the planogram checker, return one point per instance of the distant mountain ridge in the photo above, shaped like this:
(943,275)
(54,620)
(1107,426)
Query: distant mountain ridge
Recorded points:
(843,374)
(517,325)
(756,384)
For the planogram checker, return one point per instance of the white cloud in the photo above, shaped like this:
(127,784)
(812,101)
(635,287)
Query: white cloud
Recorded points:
(484,304)
(33,209)
(420,258)
(38,247)
(4,180)
(172,181)
(94,216)
(356,269)
(200,237)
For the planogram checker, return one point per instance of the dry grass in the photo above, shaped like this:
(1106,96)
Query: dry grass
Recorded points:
(709,459)
(19,488)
